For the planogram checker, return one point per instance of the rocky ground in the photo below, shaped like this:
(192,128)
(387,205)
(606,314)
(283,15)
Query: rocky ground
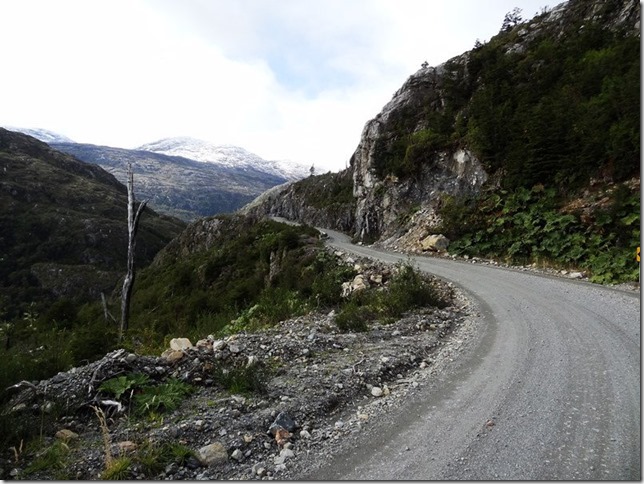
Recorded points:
(320,387)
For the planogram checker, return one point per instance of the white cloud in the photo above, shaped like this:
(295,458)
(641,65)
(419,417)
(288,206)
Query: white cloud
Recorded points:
(283,78)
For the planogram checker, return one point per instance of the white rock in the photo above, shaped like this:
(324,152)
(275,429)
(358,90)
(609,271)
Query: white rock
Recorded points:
(178,344)
(376,391)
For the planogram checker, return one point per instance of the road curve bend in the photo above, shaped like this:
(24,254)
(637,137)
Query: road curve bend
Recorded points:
(555,375)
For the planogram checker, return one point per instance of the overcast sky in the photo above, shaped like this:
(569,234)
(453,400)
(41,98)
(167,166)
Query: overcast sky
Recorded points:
(285,79)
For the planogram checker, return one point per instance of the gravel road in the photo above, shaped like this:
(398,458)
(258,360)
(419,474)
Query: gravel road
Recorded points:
(548,390)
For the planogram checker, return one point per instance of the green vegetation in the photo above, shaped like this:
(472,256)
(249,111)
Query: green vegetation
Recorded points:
(332,192)
(525,226)
(556,112)
(51,458)
(559,113)
(407,290)
(162,397)
(538,112)
(145,396)
(118,469)
(247,380)
(150,457)
(119,385)
(253,275)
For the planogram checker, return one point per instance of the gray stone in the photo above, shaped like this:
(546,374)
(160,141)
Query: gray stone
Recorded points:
(212,454)
(284,421)
(233,348)
(437,243)
(376,391)
(237,455)
(130,358)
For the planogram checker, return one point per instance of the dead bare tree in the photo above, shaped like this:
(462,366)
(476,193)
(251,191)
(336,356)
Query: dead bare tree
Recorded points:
(132,227)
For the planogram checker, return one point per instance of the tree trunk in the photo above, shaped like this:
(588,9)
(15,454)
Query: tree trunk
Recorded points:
(132,227)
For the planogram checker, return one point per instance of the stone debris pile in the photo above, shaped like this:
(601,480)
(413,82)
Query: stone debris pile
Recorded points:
(316,386)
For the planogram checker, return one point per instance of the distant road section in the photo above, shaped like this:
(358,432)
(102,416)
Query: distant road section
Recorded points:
(550,392)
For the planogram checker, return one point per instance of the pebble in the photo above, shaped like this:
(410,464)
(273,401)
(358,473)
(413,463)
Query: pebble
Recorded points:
(237,455)
(376,391)
(259,470)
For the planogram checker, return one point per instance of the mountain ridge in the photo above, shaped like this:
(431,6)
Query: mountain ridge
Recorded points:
(63,230)
(225,154)
(182,176)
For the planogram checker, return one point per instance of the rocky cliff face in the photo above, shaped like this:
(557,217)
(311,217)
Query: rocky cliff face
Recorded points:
(321,201)
(382,203)
(445,131)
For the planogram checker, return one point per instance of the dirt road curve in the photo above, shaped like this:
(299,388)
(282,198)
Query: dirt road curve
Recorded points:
(550,390)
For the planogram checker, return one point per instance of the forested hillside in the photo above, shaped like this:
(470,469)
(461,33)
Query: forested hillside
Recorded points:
(525,149)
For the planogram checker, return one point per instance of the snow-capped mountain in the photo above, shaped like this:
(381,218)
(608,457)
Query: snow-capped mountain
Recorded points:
(43,135)
(225,155)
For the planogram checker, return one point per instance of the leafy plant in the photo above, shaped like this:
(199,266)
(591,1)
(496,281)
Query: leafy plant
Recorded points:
(525,226)
(166,396)
(119,385)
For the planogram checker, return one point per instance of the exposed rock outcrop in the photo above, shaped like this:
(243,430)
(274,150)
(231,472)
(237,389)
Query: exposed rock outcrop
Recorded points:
(407,160)
(320,201)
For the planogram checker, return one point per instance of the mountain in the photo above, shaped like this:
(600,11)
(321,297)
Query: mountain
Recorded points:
(184,177)
(63,228)
(525,148)
(43,135)
(225,155)
(179,186)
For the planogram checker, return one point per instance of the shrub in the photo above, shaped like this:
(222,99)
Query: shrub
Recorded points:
(119,469)
(164,397)
(407,290)
(355,317)
(53,459)
(246,380)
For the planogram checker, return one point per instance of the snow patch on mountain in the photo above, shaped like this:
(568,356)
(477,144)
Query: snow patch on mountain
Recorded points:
(43,135)
(225,155)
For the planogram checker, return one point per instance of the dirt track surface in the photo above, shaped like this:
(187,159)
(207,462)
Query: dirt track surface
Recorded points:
(548,390)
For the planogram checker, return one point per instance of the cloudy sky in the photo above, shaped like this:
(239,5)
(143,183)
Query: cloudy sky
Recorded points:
(285,79)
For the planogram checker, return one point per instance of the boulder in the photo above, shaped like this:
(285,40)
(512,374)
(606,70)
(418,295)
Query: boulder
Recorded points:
(212,454)
(172,355)
(179,344)
(436,243)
